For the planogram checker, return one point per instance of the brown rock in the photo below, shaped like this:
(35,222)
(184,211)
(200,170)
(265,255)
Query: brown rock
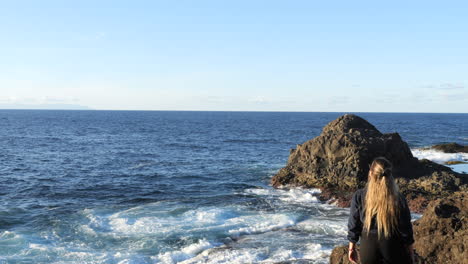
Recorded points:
(417,204)
(455,162)
(339,255)
(442,233)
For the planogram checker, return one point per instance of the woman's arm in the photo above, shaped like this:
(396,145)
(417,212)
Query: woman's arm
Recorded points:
(354,220)
(406,227)
(354,227)
(352,253)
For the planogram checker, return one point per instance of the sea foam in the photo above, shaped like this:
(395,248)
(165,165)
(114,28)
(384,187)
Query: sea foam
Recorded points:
(442,158)
(438,156)
(185,253)
(288,195)
(310,252)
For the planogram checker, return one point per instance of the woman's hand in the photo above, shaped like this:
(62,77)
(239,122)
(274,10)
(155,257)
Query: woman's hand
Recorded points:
(352,253)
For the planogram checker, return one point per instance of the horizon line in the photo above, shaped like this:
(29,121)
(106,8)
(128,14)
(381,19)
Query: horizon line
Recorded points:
(240,111)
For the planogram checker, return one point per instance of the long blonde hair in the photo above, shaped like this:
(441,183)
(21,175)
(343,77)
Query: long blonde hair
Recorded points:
(382,198)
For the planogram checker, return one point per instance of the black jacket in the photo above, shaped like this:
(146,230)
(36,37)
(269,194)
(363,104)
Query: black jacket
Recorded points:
(356,219)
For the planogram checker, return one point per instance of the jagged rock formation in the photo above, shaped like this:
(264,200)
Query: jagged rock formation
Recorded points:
(337,161)
(441,235)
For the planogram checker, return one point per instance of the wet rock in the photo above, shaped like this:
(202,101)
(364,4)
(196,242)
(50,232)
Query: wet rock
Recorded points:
(455,162)
(340,199)
(450,148)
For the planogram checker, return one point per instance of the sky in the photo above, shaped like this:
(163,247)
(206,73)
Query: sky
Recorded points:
(255,55)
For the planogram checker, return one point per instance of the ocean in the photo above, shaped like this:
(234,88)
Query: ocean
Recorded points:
(175,186)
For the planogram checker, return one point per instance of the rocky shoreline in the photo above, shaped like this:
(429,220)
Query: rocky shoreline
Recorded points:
(337,162)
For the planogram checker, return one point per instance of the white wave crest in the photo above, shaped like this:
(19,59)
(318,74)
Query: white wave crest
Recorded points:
(438,156)
(185,253)
(301,195)
(259,223)
(309,252)
(315,251)
(324,226)
(144,225)
(225,256)
(260,254)
(291,195)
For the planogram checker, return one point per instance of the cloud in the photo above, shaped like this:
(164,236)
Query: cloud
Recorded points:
(422,97)
(6,100)
(387,99)
(448,92)
(100,35)
(428,86)
(338,100)
(454,96)
(451,86)
(444,86)
(45,102)
(259,100)
(44,106)
(58,100)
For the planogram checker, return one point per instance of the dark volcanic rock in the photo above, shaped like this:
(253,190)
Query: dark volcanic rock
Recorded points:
(336,197)
(442,233)
(337,161)
(339,158)
(450,148)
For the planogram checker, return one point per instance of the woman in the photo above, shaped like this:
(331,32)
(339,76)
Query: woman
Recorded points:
(381,218)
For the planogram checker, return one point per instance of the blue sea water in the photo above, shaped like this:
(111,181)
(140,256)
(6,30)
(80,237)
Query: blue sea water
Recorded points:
(174,186)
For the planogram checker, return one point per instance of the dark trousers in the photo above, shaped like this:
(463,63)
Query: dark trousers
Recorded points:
(385,250)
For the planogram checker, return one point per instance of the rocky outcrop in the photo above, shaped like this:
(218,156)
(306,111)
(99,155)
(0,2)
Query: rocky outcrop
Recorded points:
(339,158)
(337,161)
(450,148)
(441,235)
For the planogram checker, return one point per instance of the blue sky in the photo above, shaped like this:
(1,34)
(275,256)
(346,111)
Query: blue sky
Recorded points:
(346,56)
